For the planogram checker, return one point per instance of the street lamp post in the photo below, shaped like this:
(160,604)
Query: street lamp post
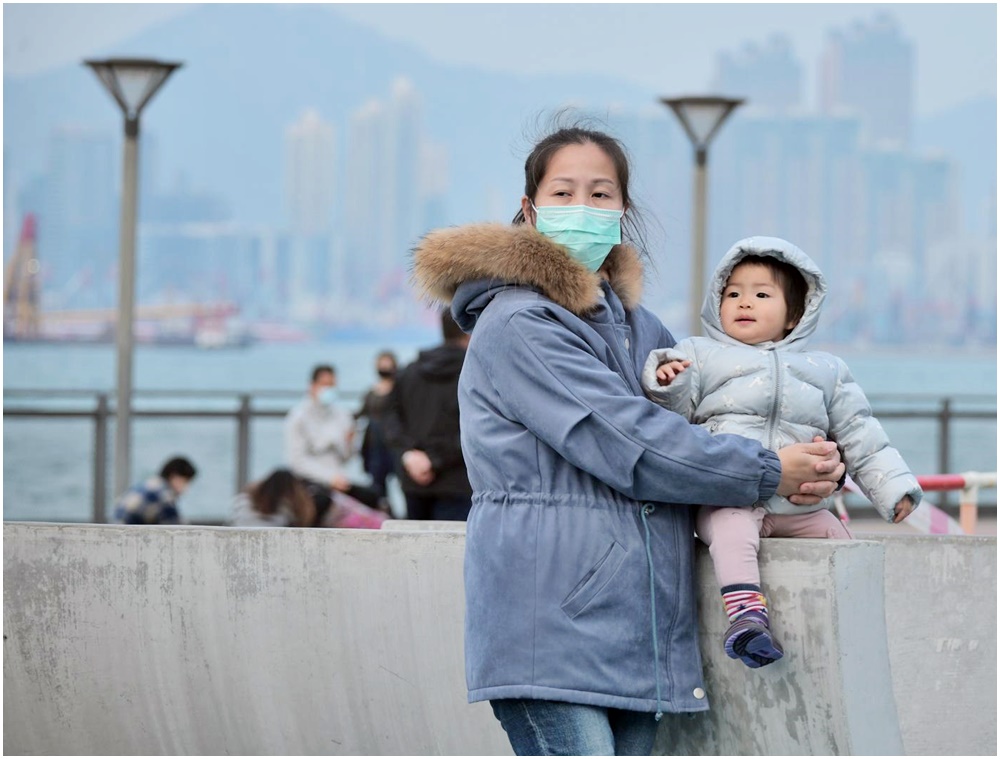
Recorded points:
(701,117)
(132,82)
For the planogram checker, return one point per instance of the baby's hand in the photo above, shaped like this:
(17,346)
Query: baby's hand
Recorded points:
(903,509)
(666,373)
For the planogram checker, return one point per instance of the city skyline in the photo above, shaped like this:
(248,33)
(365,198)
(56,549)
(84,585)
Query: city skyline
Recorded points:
(378,174)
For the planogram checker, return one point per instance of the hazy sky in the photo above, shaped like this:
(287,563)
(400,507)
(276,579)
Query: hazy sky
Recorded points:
(661,46)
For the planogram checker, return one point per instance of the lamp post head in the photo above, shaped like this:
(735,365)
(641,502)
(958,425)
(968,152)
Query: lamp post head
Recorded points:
(132,82)
(701,116)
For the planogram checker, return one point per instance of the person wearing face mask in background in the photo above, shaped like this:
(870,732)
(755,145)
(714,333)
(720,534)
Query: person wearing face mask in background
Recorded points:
(319,437)
(375,454)
(580,619)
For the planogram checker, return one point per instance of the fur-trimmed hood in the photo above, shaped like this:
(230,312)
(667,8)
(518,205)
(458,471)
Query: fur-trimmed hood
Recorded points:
(502,255)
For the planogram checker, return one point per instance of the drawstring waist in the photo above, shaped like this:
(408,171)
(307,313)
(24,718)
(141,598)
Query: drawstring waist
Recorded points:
(646,510)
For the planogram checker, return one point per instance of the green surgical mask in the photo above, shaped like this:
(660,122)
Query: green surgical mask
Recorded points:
(588,233)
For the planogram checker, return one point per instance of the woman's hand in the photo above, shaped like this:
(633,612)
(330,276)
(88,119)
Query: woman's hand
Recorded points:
(810,471)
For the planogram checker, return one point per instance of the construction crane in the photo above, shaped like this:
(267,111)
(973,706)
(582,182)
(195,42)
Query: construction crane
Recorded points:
(20,287)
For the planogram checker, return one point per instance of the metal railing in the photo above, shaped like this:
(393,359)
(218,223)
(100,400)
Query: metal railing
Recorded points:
(101,410)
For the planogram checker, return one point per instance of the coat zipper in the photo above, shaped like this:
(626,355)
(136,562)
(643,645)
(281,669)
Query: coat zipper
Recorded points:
(772,419)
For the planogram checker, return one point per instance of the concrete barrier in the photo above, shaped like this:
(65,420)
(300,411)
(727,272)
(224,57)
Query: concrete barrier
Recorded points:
(193,640)
(941,619)
(424,525)
(831,694)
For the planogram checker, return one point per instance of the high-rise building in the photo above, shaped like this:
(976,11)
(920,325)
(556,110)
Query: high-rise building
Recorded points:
(309,186)
(768,76)
(404,148)
(869,69)
(396,181)
(367,177)
(77,207)
(433,186)
(866,216)
(796,178)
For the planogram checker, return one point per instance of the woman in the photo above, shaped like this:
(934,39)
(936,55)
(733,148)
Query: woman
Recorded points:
(580,609)
(279,500)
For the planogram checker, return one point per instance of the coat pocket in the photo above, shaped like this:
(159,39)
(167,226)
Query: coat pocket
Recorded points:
(594,581)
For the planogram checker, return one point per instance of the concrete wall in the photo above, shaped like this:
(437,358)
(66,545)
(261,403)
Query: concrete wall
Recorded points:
(193,640)
(941,613)
(940,599)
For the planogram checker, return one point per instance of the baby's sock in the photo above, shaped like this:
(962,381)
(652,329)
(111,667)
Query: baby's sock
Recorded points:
(739,599)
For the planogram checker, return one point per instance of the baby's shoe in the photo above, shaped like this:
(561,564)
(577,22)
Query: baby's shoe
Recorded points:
(749,639)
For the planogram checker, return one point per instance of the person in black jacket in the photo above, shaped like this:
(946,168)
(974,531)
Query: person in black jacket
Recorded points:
(421,427)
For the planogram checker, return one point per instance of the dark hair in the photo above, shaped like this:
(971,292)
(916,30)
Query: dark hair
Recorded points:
(281,488)
(449,328)
(387,354)
(537,163)
(792,283)
(322,369)
(180,467)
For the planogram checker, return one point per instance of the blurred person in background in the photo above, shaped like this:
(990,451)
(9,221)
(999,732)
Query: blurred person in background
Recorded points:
(283,500)
(279,500)
(154,501)
(375,453)
(319,437)
(421,426)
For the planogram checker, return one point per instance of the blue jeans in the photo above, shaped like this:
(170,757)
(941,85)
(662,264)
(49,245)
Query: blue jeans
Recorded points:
(554,728)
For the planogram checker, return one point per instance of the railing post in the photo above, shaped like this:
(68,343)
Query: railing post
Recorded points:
(100,458)
(944,437)
(968,506)
(243,443)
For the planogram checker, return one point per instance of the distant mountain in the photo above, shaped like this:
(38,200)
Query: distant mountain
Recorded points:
(250,70)
(967,134)
(248,73)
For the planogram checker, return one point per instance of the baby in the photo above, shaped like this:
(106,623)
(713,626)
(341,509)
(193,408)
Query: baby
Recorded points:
(753,376)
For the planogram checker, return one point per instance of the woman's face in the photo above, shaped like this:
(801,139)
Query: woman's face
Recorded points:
(577,175)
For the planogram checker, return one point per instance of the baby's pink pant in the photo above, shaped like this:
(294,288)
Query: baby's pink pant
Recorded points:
(733,536)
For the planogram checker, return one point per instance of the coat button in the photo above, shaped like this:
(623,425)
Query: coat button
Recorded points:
(698,693)
(627,343)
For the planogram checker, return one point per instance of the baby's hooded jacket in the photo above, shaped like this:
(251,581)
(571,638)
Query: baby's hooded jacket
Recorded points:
(779,392)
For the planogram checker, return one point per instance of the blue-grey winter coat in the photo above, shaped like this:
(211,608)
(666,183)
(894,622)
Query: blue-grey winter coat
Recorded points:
(779,392)
(578,567)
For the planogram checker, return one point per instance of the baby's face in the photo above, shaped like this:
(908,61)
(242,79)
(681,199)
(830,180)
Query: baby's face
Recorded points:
(753,306)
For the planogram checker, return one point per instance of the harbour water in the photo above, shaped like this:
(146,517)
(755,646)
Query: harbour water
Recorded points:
(48,463)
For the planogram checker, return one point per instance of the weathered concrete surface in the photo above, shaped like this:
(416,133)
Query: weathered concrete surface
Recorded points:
(424,525)
(193,640)
(135,640)
(941,615)
(831,694)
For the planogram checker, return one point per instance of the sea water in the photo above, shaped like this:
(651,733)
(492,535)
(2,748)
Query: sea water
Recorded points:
(48,463)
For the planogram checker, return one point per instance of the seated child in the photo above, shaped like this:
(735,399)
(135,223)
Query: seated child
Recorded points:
(753,376)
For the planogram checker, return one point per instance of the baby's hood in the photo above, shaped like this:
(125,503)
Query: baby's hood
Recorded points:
(773,247)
